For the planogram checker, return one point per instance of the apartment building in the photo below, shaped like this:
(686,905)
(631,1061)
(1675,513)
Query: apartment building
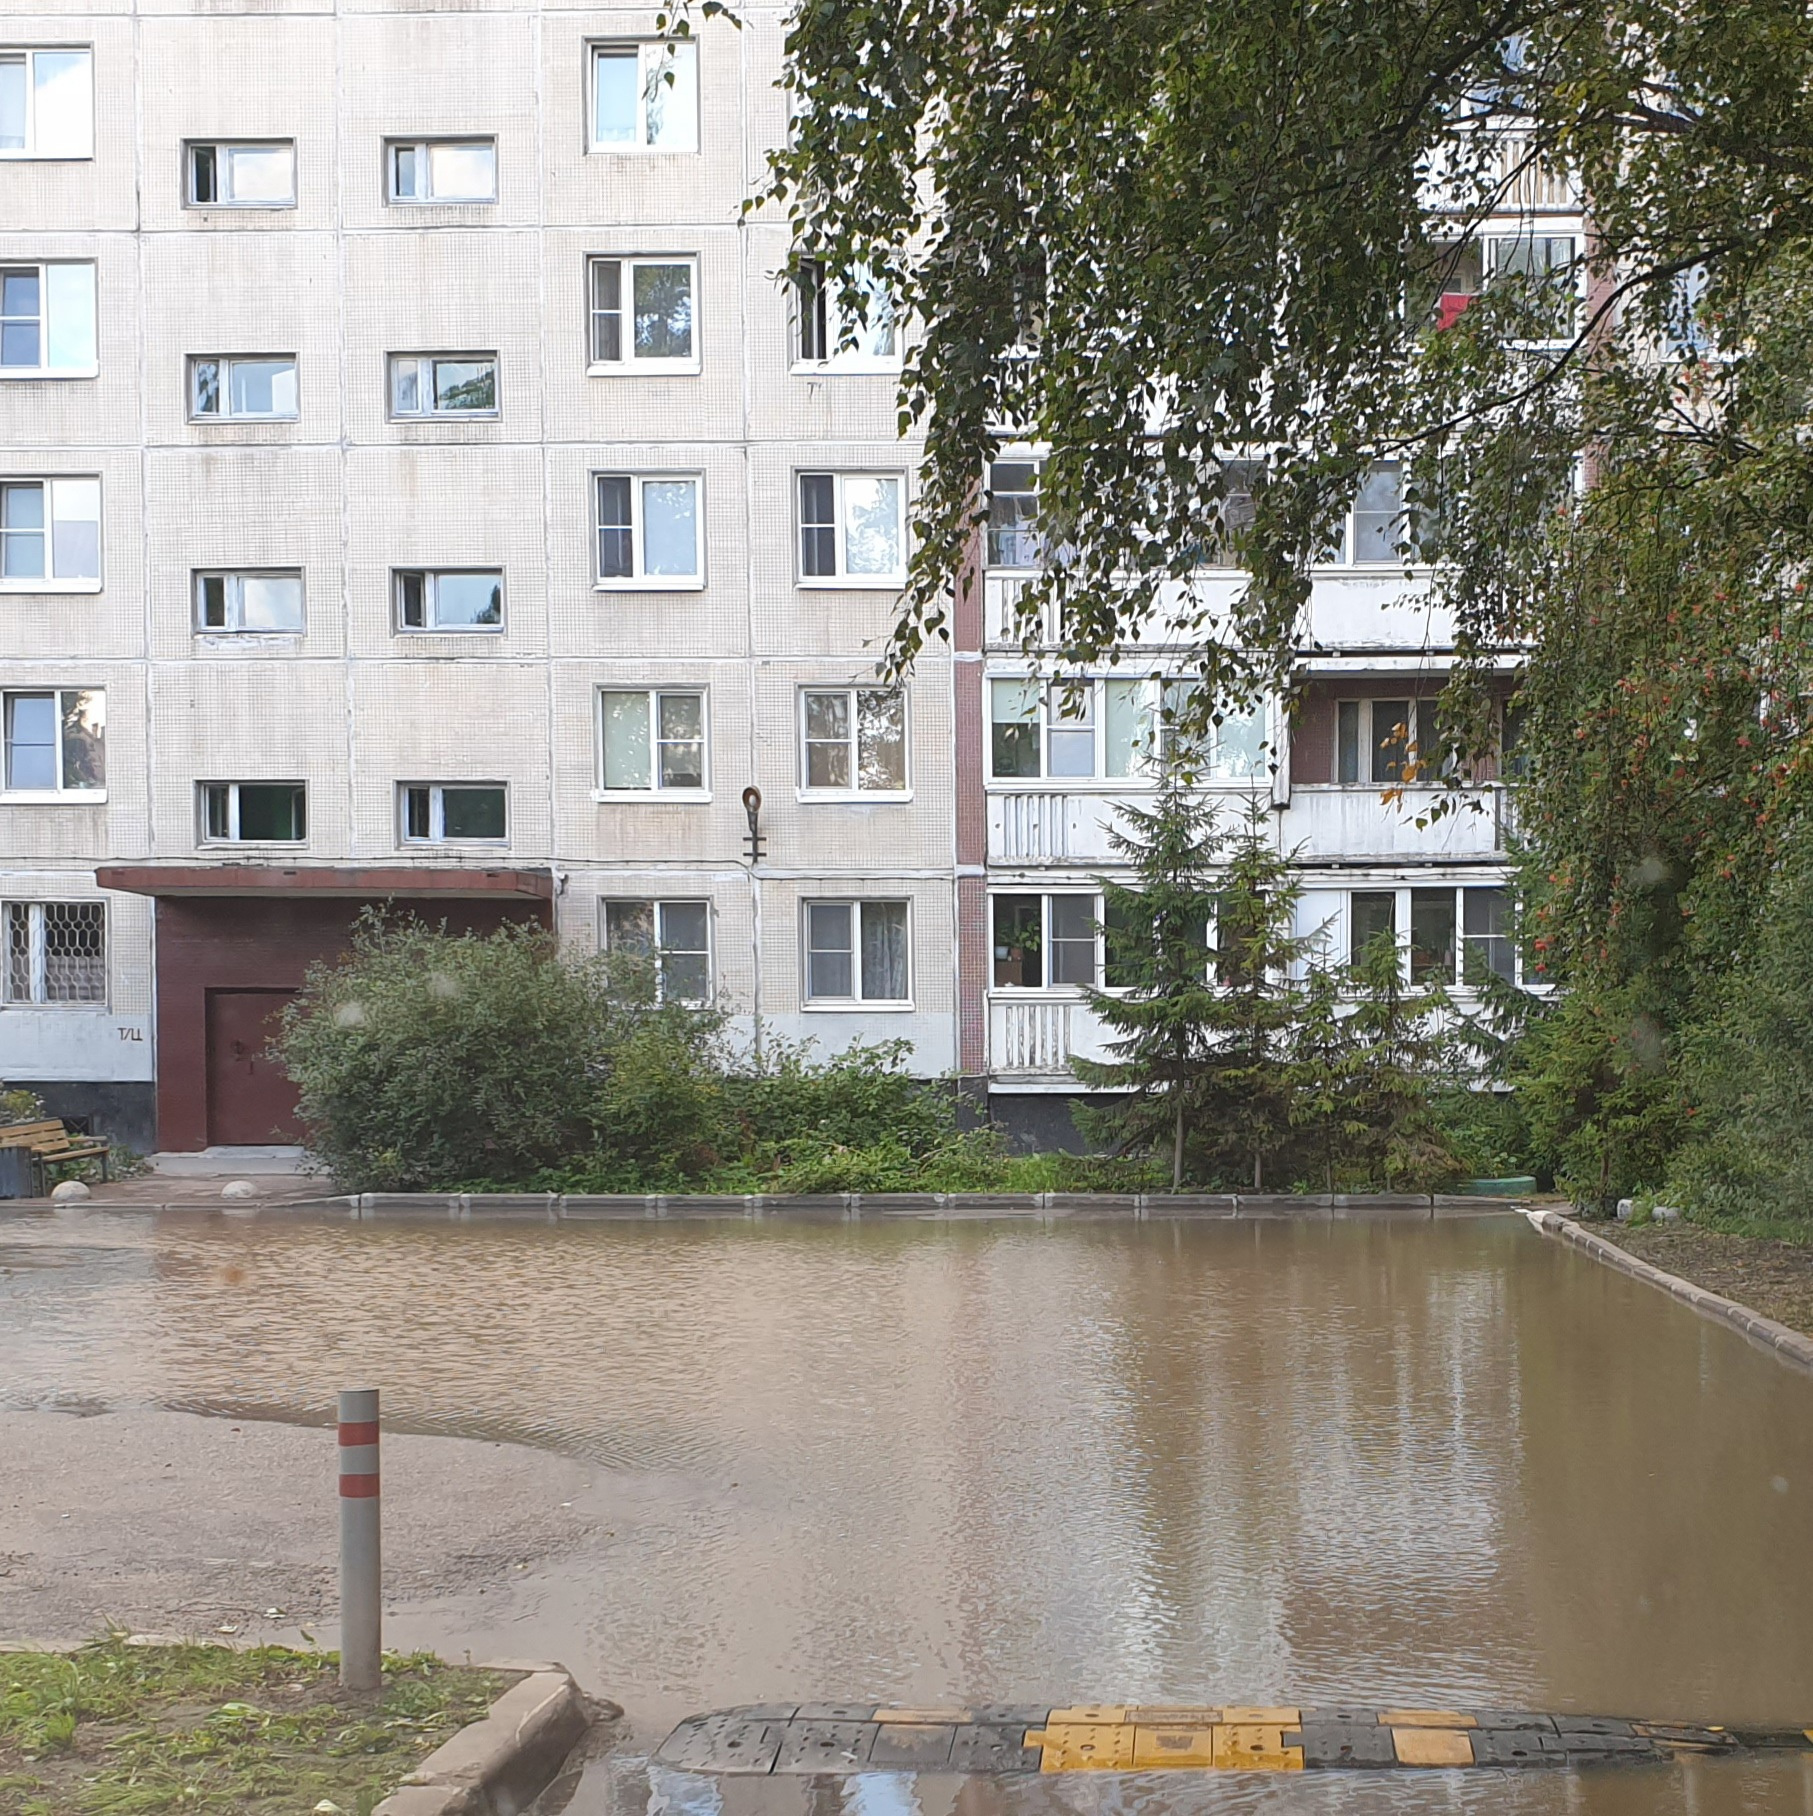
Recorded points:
(1342,768)
(417,486)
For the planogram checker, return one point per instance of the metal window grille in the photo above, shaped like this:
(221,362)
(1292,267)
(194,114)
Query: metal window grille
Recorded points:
(56,952)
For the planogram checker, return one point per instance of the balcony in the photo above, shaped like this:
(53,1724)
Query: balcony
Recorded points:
(1353,822)
(1350,609)
(1032,828)
(1033,1036)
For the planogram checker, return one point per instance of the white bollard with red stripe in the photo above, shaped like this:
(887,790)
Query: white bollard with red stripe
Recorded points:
(361,1565)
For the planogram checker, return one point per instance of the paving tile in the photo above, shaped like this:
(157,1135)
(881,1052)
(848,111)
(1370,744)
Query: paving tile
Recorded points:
(1513,1718)
(1516,1747)
(722,1743)
(1086,1746)
(824,1746)
(1426,1718)
(983,1747)
(1023,1715)
(912,1746)
(1256,1747)
(1342,1743)
(1591,1724)
(1161,1748)
(1432,1746)
(834,1712)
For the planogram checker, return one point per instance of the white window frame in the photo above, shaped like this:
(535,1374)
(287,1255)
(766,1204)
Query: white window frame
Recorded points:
(648,52)
(852,744)
(1147,770)
(1403,899)
(37,960)
(233,602)
(640,580)
(1421,710)
(31,53)
(425,364)
(96,791)
(658,906)
(630,363)
(856,1000)
(657,790)
(843,580)
(223,150)
(437,833)
(1045,987)
(54,486)
(423,148)
(224,387)
(431,626)
(1344,559)
(44,267)
(821,294)
(232,835)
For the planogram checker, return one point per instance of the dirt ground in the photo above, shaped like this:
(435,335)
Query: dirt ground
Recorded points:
(1774,1278)
(173,1523)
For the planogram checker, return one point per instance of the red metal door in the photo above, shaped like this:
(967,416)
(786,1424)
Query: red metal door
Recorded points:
(251,1102)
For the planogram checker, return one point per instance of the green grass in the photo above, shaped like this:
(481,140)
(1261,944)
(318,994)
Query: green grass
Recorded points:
(119,1730)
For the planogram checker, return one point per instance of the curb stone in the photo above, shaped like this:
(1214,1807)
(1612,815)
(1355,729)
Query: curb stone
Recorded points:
(502,1762)
(1790,1345)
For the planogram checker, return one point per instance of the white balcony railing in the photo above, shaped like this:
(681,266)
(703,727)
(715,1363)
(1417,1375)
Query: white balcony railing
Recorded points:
(1037,1036)
(1355,822)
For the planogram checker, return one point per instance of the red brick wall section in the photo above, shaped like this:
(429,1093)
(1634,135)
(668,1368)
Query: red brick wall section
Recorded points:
(214,943)
(972,816)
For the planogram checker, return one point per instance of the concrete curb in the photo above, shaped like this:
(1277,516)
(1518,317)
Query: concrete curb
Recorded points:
(501,1763)
(1789,1345)
(831,1207)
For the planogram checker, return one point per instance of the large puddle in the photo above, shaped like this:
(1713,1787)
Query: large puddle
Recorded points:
(1422,1464)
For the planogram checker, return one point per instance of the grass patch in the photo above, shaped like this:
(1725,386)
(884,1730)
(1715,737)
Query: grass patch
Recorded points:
(119,1730)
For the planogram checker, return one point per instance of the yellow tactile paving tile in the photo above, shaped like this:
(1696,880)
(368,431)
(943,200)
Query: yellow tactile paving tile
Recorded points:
(1173,1715)
(1111,1714)
(1432,1747)
(1269,1718)
(1086,1746)
(1425,1718)
(1159,1748)
(1255,1747)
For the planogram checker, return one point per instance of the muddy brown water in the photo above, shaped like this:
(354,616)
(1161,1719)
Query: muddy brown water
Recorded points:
(1389,1463)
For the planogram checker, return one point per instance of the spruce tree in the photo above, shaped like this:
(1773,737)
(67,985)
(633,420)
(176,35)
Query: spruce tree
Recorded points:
(1203,1027)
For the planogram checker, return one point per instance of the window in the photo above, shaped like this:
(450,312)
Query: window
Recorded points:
(1387,741)
(1372,914)
(1486,935)
(648,530)
(56,741)
(645,97)
(50,533)
(1532,259)
(443,384)
(443,170)
(47,321)
(1044,941)
(46,103)
(854,739)
(245,175)
(248,602)
(1432,936)
(446,813)
(674,936)
(243,388)
(652,741)
(1375,524)
(857,952)
(1013,514)
(56,952)
(449,599)
(642,314)
(1113,728)
(851,529)
(1224,546)
(842,339)
(246,813)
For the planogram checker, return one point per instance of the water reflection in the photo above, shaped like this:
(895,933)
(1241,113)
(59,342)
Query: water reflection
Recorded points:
(1253,1462)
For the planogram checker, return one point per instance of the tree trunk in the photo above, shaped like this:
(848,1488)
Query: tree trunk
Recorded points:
(1177,1146)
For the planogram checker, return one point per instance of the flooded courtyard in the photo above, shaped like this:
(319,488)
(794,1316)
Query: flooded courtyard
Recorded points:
(1412,1463)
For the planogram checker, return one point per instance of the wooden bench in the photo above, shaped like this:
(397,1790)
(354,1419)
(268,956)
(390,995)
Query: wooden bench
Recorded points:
(51,1144)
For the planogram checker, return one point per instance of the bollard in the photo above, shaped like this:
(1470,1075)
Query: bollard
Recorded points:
(361,1566)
